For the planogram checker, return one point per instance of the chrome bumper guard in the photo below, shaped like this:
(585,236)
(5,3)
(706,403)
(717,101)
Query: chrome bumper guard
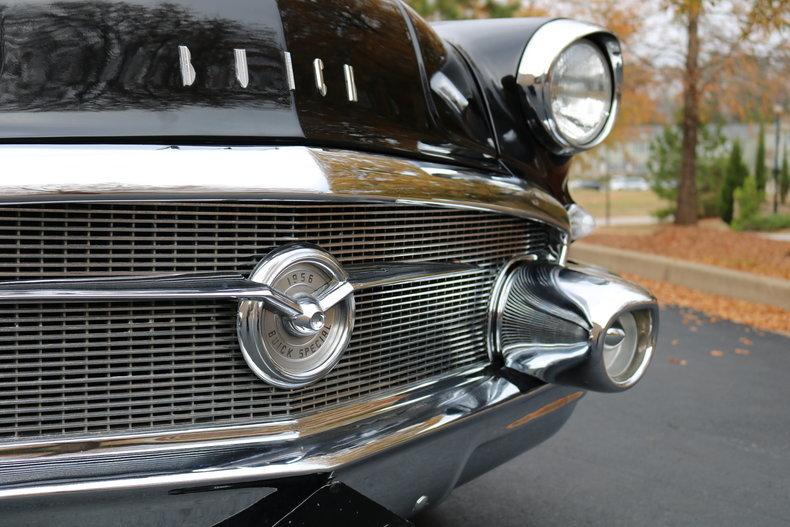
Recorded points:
(573,325)
(440,430)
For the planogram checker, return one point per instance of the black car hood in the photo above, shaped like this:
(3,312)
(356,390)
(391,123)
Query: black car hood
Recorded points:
(104,70)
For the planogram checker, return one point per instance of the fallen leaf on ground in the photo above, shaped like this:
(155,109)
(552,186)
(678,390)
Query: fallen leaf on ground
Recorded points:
(745,341)
(762,316)
(741,351)
(716,353)
(743,251)
(675,342)
(677,362)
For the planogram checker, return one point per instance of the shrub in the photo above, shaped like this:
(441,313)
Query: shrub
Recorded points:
(664,167)
(784,179)
(710,178)
(748,199)
(764,223)
(734,177)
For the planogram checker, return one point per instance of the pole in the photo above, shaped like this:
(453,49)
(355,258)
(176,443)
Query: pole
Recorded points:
(608,200)
(776,165)
(607,179)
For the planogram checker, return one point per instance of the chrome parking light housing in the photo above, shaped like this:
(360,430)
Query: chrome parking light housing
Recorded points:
(572,325)
(582,222)
(555,55)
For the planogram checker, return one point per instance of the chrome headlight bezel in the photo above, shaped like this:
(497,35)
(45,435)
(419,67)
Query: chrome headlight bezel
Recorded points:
(534,76)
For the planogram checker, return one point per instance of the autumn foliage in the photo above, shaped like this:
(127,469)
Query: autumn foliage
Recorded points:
(687,61)
(713,245)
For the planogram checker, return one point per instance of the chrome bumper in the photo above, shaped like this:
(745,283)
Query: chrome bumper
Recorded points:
(420,444)
(399,448)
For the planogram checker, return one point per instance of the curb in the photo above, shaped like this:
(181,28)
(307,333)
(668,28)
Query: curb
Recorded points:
(707,278)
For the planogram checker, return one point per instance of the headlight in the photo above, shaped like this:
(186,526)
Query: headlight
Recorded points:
(571,73)
(581,92)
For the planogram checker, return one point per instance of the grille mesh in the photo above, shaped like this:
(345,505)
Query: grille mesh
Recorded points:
(95,368)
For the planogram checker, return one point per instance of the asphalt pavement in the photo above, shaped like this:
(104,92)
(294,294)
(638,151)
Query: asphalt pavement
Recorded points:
(704,439)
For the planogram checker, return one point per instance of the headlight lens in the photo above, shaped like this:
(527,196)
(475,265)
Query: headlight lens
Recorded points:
(581,92)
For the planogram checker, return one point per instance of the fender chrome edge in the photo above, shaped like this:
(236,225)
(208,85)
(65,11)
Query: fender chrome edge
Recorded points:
(63,173)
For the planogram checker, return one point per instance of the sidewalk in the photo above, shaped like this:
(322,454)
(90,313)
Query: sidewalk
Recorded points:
(783,236)
(626,221)
(708,278)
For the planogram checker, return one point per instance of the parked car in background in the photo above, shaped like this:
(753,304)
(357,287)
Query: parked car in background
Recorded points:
(629,183)
(585,184)
(292,261)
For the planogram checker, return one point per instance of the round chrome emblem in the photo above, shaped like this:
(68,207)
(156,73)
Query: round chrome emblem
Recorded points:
(294,351)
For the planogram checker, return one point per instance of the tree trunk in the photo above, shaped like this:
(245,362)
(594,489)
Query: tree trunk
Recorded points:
(686,213)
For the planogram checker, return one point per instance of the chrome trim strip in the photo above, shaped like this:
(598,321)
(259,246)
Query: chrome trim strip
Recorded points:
(289,70)
(281,431)
(159,287)
(242,70)
(214,285)
(187,69)
(163,173)
(351,84)
(397,421)
(215,477)
(318,71)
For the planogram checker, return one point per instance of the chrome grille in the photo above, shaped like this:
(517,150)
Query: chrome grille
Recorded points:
(45,241)
(97,368)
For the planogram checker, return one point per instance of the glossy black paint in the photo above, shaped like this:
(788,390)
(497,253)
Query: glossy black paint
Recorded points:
(373,37)
(431,465)
(111,69)
(494,48)
(108,71)
(454,97)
